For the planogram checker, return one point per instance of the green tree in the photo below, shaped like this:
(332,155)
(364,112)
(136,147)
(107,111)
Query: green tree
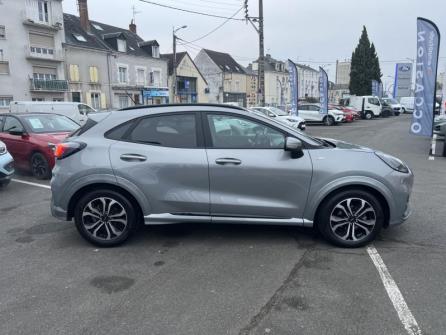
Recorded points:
(364,66)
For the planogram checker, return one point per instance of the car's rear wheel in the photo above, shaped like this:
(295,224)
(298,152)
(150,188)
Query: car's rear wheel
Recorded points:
(4,183)
(350,218)
(403,110)
(329,120)
(40,168)
(368,115)
(105,218)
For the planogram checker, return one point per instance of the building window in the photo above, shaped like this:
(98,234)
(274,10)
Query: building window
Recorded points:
(94,74)
(38,99)
(237,86)
(155,51)
(155,78)
(123,101)
(76,96)
(122,75)
(43,11)
(122,45)
(74,73)
(141,77)
(5,101)
(97,26)
(2,32)
(96,100)
(44,76)
(58,99)
(4,67)
(79,38)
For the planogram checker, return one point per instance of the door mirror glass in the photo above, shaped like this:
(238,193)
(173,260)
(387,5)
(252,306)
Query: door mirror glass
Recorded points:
(293,144)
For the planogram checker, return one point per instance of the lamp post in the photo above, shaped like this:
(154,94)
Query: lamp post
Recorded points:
(175,61)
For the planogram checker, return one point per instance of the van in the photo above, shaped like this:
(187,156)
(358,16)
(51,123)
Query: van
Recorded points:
(76,111)
(370,106)
(407,104)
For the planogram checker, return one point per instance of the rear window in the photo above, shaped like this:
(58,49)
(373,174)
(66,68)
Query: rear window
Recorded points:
(87,126)
(49,123)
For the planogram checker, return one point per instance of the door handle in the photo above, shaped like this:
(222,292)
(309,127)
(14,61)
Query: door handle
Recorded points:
(224,161)
(133,158)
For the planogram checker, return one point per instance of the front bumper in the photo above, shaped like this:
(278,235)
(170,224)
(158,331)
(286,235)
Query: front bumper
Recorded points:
(402,184)
(6,167)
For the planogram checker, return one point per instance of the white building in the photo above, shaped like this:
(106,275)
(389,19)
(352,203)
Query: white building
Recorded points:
(31,53)
(308,82)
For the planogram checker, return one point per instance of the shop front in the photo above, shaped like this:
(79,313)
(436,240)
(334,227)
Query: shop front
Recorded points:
(156,96)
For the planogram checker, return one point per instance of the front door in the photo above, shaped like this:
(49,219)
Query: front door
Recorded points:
(18,145)
(164,157)
(250,173)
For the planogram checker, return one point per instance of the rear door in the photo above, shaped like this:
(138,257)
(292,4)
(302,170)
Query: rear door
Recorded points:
(251,175)
(163,155)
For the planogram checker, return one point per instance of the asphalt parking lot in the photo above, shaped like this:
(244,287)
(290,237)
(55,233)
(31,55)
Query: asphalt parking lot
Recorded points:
(229,279)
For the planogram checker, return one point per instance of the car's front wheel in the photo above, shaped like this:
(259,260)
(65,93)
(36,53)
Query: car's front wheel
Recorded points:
(329,120)
(350,218)
(105,218)
(368,115)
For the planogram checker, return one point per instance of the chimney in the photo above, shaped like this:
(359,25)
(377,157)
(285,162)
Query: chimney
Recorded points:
(83,14)
(132,27)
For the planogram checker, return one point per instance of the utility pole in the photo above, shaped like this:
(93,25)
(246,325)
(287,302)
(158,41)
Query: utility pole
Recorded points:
(261,68)
(174,88)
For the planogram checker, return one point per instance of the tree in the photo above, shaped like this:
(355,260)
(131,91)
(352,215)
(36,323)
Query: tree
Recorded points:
(364,66)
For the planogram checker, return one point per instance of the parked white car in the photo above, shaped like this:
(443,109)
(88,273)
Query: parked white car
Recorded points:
(281,116)
(311,113)
(76,111)
(369,105)
(407,104)
(394,104)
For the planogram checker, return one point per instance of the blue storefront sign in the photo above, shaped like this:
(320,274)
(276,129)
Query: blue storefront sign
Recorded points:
(155,93)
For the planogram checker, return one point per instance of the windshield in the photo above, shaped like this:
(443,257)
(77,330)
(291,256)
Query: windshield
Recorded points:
(49,123)
(277,111)
(391,101)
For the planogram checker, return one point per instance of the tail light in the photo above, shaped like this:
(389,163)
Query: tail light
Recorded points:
(66,149)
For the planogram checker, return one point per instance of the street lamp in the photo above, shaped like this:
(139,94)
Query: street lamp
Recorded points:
(175,61)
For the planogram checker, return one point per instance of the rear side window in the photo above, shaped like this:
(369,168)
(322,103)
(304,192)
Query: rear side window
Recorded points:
(118,132)
(178,131)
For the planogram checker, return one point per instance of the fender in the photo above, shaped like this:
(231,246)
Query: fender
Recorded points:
(316,198)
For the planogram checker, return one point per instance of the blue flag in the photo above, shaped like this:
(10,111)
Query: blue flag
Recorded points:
(375,88)
(428,45)
(294,87)
(323,91)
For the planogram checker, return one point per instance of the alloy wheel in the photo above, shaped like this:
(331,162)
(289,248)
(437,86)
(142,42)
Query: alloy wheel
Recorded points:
(39,166)
(353,219)
(104,218)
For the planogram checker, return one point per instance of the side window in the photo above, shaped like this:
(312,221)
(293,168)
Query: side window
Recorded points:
(178,131)
(374,101)
(233,132)
(314,108)
(303,108)
(84,109)
(1,123)
(118,132)
(11,123)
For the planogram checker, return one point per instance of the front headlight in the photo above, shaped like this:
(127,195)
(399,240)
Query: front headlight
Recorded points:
(393,162)
(291,120)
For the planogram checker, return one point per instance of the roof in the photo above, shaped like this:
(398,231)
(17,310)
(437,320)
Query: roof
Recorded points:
(225,61)
(96,39)
(169,57)
(182,105)
(306,67)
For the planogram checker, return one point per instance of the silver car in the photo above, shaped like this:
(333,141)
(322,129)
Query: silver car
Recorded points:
(221,164)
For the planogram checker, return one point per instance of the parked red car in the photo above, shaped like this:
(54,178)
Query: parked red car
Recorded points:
(350,114)
(31,138)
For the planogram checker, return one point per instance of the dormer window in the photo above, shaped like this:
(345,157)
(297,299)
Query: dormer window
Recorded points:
(155,51)
(79,38)
(122,45)
(97,26)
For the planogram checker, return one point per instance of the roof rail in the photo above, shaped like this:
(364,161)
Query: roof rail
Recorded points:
(181,105)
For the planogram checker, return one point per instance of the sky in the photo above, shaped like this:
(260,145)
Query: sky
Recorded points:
(316,32)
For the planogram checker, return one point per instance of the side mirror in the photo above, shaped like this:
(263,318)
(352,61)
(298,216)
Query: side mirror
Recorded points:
(17,132)
(293,145)
(271,115)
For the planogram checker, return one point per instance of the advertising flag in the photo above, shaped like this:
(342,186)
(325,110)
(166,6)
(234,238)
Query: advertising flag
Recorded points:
(443,96)
(294,87)
(375,88)
(428,44)
(403,80)
(380,90)
(323,91)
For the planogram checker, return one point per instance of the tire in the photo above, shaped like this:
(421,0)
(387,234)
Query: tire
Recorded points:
(364,227)
(368,115)
(329,120)
(40,167)
(403,110)
(4,183)
(99,226)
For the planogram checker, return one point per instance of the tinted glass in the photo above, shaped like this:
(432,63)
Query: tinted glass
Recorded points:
(234,132)
(119,132)
(84,109)
(374,101)
(50,123)
(177,131)
(87,126)
(11,123)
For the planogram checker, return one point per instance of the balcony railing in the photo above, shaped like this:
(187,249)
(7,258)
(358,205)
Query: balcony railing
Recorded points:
(49,85)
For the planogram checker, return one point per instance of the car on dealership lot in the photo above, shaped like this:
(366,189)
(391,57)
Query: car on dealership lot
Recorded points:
(369,106)
(394,105)
(407,104)
(440,125)
(6,165)
(349,114)
(187,163)
(311,114)
(31,139)
(282,116)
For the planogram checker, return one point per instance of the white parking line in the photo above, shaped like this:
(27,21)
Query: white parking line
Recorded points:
(433,148)
(32,184)
(404,313)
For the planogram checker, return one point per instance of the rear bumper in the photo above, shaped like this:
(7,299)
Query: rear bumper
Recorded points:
(58,212)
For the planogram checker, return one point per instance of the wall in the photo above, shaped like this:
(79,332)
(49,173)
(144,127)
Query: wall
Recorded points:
(213,76)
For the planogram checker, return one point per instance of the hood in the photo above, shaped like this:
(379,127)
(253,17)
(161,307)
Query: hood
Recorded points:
(293,117)
(347,146)
(52,137)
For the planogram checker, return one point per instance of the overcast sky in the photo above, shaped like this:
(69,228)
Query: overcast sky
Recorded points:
(315,32)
